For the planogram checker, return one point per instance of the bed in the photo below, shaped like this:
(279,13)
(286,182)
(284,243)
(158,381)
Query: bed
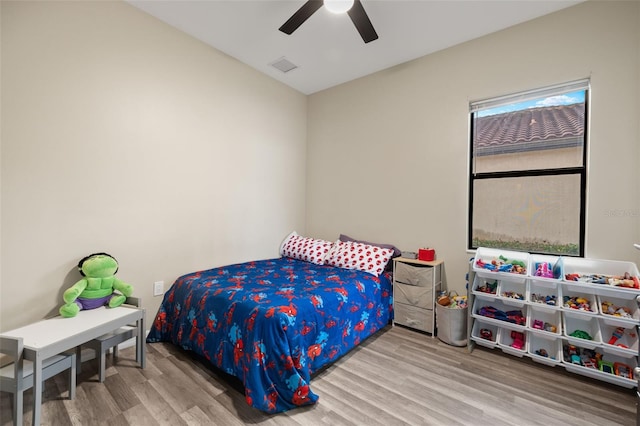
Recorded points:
(274,323)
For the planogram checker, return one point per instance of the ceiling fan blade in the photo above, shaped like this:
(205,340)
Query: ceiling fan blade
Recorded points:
(362,22)
(298,18)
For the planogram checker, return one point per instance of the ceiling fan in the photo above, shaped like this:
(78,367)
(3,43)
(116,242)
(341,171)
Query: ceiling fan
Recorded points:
(356,12)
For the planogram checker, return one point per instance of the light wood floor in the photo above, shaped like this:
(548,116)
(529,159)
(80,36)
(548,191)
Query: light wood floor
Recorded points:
(397,377)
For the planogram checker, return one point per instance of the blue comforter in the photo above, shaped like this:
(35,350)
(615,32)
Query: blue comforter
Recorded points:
(273,323)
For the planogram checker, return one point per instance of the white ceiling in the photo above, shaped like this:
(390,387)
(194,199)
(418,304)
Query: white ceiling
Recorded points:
(327,48)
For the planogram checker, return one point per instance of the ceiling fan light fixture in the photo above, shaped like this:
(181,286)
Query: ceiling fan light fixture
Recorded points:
(353,8)
(338,6)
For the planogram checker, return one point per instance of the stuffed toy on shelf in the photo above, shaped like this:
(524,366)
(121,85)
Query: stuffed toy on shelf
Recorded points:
(97,287)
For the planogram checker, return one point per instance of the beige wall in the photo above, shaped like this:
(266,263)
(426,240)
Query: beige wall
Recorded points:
(388,153)
(122,134)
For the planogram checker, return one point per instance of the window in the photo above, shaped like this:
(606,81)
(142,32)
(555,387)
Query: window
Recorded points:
(527,175)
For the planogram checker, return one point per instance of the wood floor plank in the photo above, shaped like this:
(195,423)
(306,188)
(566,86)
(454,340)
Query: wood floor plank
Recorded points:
(194,416)
(121,391)
(220,415)
(178,389)
(99,397)
(235,404)
(119,420)
(342,401)
(397,377)
(78,409)
(202,377)
(154,402)
(139,415)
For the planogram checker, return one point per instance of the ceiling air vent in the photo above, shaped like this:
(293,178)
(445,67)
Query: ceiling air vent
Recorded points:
(283,65)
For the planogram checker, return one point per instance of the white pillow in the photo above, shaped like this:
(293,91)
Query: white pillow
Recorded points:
(363,257)
(304,248)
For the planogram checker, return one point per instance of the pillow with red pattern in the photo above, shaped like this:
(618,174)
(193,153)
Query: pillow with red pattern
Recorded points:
(304,248)
(396,250)
(363,257)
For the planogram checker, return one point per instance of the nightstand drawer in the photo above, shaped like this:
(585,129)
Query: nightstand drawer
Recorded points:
(414,275)
(413,295)
(418,318)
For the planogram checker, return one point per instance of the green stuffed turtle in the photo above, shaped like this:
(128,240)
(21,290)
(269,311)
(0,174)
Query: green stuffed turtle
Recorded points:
(97,287)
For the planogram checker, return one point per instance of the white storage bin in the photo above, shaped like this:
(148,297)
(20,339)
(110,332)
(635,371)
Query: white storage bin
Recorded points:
(488,255)
(612,369)
(479,304)
(541,345)
(622,366)
(545,294)
(478,334)
(545,267)
(598,375)
(513,342)
(591,307)
(588,267)
(512,293)
(573,322)
(576,354)
(619,340)
(618,311)
(550,322)
(486,288)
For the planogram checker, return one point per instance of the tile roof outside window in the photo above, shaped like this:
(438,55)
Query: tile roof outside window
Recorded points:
(530,129)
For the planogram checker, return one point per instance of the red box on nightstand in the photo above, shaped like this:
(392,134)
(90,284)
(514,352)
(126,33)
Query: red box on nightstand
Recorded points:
(427,254)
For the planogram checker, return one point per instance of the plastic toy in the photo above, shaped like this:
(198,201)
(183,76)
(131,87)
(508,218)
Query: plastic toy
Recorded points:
(581,334)
(606,367)
(513,262)
(537,324)
(581,356)
(485,333)
(617,334)
(489,288)
(547,300)
(491,312)
(512,295)
(622,370)
(588,362)
(502,264)
(544,270)
(579,303)
(514,316)
(551,328)
(518,340)
(482,264)
(542,352)
(574,358)
(626,280)
(608,308)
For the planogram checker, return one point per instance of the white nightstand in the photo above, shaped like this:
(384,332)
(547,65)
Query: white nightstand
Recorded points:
(416,284)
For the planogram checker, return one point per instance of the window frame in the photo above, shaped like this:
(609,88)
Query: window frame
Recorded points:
(477,106)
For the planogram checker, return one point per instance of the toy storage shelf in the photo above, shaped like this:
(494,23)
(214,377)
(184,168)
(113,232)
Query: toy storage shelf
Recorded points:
(574,313)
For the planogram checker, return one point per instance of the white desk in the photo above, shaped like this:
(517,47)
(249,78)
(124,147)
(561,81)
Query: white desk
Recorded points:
(54,335)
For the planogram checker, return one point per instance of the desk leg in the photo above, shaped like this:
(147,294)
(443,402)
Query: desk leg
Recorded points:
(140,343)
(37,388)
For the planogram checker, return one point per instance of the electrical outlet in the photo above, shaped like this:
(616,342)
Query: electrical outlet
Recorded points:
(158,288)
